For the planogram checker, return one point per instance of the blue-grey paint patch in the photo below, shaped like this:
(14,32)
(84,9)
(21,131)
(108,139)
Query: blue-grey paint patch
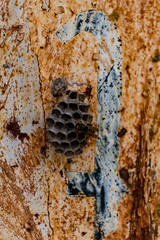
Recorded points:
(104,183)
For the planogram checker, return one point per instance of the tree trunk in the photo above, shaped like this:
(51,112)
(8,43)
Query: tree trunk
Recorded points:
(108,51)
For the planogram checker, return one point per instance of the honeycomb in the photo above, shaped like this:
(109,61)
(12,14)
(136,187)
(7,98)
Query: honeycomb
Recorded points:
(61,125)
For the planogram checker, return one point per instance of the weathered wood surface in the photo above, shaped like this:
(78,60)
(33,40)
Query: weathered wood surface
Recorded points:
(33,200)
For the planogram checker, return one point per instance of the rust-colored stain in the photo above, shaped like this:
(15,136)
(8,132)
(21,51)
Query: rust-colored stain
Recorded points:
(12,127)
(88,92)
(33,200)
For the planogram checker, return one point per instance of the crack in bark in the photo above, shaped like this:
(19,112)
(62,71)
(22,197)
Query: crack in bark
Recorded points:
(4,89)
(48,203)
(141,223)
(48,186)
(2,104)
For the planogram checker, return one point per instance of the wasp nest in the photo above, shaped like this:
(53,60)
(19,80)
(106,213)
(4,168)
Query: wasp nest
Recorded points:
(61,124)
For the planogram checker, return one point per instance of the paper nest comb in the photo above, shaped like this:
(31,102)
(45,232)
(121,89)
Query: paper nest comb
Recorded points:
(61,124)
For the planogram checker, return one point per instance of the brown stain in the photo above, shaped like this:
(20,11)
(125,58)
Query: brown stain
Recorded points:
(16,206)
(139,229)
(114,16)
(122,132)
(123,172)
(25,226)
(88,92)
(138,146)
(13,128)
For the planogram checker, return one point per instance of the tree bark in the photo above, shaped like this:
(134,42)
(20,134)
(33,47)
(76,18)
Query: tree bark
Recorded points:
(34,203)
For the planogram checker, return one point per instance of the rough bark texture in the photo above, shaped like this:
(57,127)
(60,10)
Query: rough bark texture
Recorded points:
(33,199)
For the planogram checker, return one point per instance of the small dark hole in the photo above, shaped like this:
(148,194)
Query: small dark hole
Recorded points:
(90,118)
(76,115)
(28,229)
(74,144)
(84,233)
(63,105)
(71,136)
(64,145)
(43,151)
(124,174)
(73,106)
(73,95)
(66,117)
(69,126)
(84,108)
(56,144)
(122,132)
(69,160)
(81,97)
(81,136)
(50,122)
(56,113)
(59,125)
(68,92)
(69,154)
(51,135)
(85,117)
(61,136)
(58,150)
(78,151)
(82,144)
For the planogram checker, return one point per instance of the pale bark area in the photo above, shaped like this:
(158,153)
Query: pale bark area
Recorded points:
(33,199)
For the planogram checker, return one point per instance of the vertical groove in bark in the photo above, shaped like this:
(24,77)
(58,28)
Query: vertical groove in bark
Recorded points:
(45,146)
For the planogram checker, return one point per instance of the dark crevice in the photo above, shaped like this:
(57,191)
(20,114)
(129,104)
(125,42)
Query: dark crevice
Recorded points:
(141,226)
(45,146)
(48,203)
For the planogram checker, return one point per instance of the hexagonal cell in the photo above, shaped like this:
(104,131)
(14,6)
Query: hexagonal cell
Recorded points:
(69,126)
(87,117)
(68,92)
(66,117)
(81,97)
(82,144)
(61,136)
(59,150)
(49,122)
(56,113)
(73,106)
(71,136)
(73,95)
(59,125)
(78,151)
(90,118)
(74,144)
(69,154)
(63,105)
(65,145)
(56,144)
(76,115)
(51,136)
(84,107)
(81,136)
